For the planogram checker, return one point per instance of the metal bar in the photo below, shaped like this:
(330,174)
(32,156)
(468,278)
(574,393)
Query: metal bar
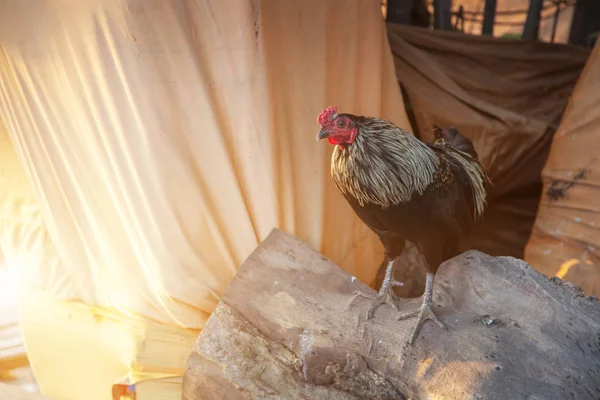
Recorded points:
(586,21)
(442,14)
(555,22)
(489,16)
(531,29)
(398,11)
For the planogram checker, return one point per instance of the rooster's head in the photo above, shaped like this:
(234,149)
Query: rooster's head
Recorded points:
(339,129)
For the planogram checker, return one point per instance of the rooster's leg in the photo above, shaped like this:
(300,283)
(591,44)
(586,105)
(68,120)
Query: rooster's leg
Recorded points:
(425,312)
(385,294)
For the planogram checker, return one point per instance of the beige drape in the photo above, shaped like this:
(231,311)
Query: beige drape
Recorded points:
(161,141)
(164,140)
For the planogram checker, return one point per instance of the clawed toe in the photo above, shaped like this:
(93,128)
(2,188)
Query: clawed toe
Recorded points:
(379,299)
(385,295)
(424,312)
(370,296)
(409,315)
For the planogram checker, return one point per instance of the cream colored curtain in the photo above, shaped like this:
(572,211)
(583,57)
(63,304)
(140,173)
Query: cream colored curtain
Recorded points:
(163,140)
(23,242)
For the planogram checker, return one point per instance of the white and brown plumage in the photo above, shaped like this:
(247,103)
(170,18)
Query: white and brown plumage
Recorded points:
(404,189)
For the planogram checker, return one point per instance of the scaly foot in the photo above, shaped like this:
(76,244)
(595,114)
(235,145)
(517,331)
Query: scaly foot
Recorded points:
(385,294)
(424,312)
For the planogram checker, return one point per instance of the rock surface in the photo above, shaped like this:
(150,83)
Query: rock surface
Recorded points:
(289,327)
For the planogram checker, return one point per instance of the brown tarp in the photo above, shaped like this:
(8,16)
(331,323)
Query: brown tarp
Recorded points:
(566,237)
(508,97)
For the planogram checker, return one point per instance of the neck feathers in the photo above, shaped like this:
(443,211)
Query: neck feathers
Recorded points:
(384,166)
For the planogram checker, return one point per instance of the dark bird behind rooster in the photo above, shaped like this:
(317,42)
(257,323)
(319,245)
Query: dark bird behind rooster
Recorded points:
(404,189)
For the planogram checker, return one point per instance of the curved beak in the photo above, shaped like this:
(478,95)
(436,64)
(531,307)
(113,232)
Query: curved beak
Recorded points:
(322,135)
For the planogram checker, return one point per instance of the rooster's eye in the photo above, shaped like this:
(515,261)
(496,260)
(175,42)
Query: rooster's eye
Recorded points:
(340,124)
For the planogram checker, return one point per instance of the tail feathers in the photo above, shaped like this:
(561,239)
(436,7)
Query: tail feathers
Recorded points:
(453,138)
(476,179)
(460,151)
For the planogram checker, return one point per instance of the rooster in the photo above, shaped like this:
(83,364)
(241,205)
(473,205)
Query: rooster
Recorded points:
(404,189)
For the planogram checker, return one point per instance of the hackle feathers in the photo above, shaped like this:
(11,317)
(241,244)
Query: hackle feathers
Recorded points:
(384,166)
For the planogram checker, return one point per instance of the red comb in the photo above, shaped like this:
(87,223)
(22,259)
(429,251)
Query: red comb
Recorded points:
(327,115)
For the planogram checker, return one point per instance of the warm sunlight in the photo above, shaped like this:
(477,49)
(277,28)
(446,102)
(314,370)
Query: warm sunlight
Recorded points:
(566,266)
